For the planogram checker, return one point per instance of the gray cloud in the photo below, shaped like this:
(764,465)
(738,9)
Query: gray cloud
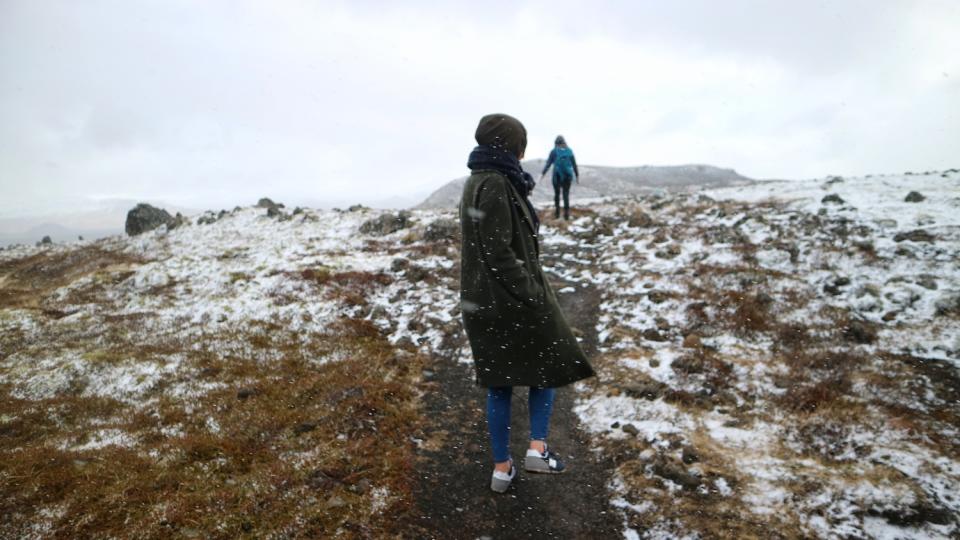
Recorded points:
(217,103)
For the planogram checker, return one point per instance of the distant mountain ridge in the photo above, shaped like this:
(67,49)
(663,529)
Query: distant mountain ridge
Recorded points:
(598,181)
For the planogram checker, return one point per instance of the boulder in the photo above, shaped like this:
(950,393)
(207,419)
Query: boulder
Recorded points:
(645,389)
(386,224)
(652,334)
(860,332)
(641,219)
(914,196)
(144,217)
(178,221)
(267,203)
(441,230)
(833,198)
(948,304)
(658,297)
(916,235)
(46,240)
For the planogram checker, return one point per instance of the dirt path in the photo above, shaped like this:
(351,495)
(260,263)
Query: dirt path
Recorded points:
(453,495)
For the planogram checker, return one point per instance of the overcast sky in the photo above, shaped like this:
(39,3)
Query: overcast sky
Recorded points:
(215,103)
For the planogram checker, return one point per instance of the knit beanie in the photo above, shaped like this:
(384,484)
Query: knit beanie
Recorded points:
(503,131)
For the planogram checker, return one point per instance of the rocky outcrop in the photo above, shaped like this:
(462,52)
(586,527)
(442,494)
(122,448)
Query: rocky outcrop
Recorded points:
(442,229)
(386,224)
(144,217)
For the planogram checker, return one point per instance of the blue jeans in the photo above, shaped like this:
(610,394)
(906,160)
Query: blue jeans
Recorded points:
(498,417)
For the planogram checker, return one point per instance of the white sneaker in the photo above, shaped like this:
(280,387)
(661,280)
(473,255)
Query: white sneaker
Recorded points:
(547,462)
(501,480)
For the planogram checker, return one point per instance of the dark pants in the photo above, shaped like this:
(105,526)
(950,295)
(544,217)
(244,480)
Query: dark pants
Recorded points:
(561,184)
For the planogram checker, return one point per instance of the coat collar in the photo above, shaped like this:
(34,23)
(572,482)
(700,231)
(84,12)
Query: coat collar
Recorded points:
(524,211)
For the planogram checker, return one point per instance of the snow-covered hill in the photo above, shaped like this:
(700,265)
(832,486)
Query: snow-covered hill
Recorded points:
(775,358)
(598,182)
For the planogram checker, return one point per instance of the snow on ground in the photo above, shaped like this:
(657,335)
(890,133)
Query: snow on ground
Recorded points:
(769,359)
(228,278)
(771,354)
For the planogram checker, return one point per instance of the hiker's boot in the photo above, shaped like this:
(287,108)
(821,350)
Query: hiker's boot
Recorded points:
(556,213)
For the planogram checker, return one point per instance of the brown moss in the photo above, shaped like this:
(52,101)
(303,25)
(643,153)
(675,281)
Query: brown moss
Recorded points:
(253,473)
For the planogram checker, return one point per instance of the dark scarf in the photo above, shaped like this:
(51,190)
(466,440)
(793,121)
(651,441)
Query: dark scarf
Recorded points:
(485,157)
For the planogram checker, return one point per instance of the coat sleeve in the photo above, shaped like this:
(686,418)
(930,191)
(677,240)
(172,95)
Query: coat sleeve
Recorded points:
(495,233)
(553,156)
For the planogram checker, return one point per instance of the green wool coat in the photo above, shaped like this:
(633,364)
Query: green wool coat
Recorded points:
(516,329)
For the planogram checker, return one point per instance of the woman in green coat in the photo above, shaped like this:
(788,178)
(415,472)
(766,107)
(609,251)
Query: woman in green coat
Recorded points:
(517,332)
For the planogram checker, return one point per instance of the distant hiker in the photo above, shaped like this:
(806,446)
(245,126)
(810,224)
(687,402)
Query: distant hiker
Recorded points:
(518,335)
(564,171)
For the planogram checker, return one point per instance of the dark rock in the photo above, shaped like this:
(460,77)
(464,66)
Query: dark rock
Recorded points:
(652,334)
(661,323)
(274,211)
(834,180)
(903,251)
(834,287)
(386,223)
(927,281)
(143,218)
(676,474)
(833,198)
(442,230)
(356,208)
(267,203)
(692,341)
(80,238)
(208,218)
(669,252)
(690,455)
(914,196)
(417,273)
(178,221)
(615,425)
(765,299)
(630,429)
(46,240)
(649,390)
(658,297)
(399,264)
(297,211)
(914,515)
(640,219)
(948,304)
(303,427)
(889,316)
(245,393)
(916,235)
(860,332)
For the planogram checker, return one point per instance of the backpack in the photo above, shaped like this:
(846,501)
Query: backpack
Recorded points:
(563,161)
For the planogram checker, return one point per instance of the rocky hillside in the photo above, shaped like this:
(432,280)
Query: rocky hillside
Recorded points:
(774,360)
(598,182)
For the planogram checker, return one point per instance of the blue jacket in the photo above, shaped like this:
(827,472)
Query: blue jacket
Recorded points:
(564,163)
